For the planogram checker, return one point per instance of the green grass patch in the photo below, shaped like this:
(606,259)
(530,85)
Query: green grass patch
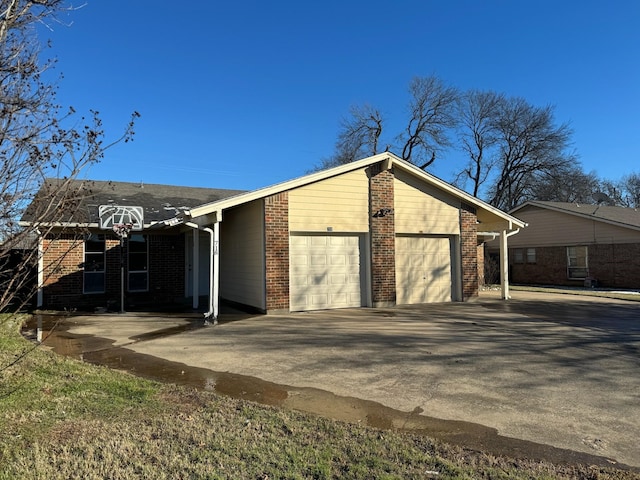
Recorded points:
(63,419)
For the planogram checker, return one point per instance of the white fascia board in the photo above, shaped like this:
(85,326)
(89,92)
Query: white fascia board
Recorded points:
(284,186)
(58,224)
(391,160)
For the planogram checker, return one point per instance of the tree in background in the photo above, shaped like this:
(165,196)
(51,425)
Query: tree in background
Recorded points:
(513,148)
(431,118)
(478,136)
(566,184)
(38,141)
(359,136)
(530,147)
(631,184)
(624,192)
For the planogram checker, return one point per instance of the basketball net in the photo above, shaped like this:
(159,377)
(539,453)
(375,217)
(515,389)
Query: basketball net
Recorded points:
(122,230)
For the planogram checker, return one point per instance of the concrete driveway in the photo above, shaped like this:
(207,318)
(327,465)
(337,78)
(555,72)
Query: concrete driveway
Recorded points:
(558,370)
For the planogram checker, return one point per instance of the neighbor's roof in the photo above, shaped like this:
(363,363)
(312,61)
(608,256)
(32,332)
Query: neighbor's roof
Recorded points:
(392,161)
(160,202)
(620,216)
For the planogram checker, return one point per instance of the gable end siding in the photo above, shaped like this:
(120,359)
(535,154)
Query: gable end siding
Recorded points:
(423,209)
(320,206)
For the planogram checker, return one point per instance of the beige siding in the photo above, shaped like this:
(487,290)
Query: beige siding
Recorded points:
(422,208)
(551,228)
(242,255)
(338,204)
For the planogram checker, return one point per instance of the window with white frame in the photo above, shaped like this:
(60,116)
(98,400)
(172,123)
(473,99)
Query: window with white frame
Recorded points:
(577,262)
(138,261)
(94,264)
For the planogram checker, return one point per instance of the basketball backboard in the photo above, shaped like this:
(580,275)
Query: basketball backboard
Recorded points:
(113,215)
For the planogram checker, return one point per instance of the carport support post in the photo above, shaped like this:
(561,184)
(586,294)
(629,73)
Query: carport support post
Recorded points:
(504,265)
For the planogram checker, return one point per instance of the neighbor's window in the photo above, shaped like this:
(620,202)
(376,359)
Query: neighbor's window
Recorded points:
(518,255)
(94,262)
(531,255)
(138,263)
(577,262)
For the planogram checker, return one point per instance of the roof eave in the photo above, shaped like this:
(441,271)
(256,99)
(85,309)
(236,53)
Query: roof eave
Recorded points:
(392,159)
(588,216)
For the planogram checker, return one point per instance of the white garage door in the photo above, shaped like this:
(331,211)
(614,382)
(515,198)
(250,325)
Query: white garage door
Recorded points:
(423,269)
(325,272)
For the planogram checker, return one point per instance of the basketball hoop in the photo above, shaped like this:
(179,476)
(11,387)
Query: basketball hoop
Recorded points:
(122,230)
(121,218)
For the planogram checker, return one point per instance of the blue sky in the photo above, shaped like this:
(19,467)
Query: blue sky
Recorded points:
(244,94)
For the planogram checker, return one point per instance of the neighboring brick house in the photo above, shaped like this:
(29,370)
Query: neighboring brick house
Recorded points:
(576,244)
(375,232)
(80,264)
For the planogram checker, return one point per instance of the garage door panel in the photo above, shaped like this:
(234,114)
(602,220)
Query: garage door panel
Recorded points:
(329,276)
(423,269)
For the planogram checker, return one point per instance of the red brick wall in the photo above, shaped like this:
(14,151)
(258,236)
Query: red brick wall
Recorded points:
(276,216)
(166,269)
(383,269)
(469,244)
(612,265)
(480,254)
(63,274)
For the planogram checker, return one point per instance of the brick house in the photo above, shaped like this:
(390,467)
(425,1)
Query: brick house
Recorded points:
(80,263)
(375,232)
(576,245)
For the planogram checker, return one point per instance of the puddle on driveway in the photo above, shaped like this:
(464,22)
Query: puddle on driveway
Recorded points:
(101,351)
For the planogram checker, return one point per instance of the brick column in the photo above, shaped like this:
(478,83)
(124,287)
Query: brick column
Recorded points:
(276,225)
(469,241)
(383,245)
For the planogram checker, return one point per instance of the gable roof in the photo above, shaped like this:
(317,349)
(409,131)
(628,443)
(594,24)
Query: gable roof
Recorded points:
(620,216)
(160,202)
(391,161)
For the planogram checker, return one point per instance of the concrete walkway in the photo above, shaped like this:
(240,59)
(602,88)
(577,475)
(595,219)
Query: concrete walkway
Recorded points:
(560,370)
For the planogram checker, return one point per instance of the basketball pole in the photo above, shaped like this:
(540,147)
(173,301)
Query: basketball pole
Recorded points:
(122,274)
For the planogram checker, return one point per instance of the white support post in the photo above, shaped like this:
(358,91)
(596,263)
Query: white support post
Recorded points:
(215,270)
(40,294)
(504,265)
(195,269)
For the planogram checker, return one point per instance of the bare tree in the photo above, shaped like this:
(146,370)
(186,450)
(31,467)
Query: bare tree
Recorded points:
(431,116)
(478,135)
(41,146)
(624,192)
(565,184)
(531,146)
(359,136)
(631,188)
